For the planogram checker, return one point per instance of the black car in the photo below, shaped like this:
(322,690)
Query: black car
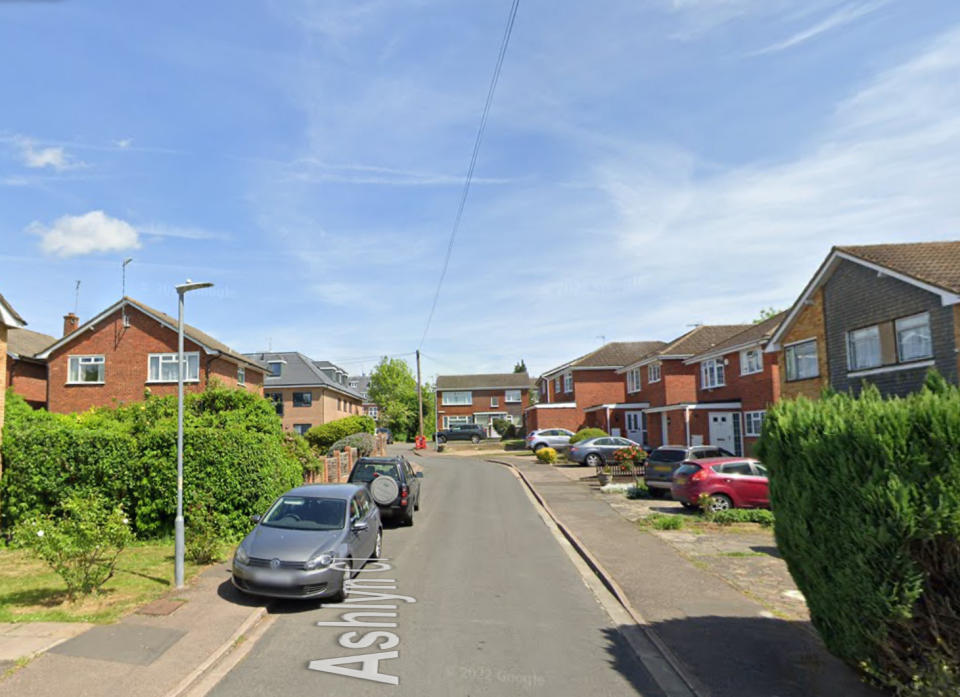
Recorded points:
(393,484)
(388,432)
(471,432)
(660,465)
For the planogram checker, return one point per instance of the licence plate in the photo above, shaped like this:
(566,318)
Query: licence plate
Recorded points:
(265,578)
(662,468)
(681,480)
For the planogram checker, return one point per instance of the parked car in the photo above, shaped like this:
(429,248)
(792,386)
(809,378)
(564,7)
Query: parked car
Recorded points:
(393,484)
(388,432)
(658,473)
(730,482)
(597,452)
(548,438)
(309,543)
(471,432)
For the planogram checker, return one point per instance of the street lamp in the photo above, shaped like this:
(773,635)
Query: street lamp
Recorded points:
(178,522)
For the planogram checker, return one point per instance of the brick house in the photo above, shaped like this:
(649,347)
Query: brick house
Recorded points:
(480,399)
(128,351)
(735,371)
(883,314)
(585,390)
(668,385)
(9,319)
(361,385)
(26,374)
(306,392)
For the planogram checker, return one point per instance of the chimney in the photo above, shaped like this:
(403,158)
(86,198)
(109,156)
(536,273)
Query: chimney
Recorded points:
(70,323)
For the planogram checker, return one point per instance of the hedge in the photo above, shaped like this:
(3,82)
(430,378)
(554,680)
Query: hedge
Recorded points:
(586,434)
(325,435)
(235,455)
(866,492)
(363,442)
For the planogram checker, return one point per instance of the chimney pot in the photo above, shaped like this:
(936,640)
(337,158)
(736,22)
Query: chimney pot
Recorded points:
(70,323)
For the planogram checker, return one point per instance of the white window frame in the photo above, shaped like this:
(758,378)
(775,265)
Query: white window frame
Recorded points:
(653,372)
(745,361)
(568,382)
(73,366)
(494,401)
(373,412)
(751,421)
(296,428)
(873,332)
(513,396)
(634,383)
(897,330)
(163,358)
(449,421)
(792,348)
(449,399)
(712,374)
(241,375)
(556,385)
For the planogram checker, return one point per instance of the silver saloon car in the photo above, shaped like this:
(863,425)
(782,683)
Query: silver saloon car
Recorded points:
(597,451)
(311,540)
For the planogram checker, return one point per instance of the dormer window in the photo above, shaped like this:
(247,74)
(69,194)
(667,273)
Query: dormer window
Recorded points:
(276,368)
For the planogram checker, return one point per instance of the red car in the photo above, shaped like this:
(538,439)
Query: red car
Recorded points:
(730,482)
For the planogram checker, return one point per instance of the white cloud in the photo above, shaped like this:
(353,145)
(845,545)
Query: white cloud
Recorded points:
(845,15)
(182,232)
(74,235)
(123,143)
(39,157)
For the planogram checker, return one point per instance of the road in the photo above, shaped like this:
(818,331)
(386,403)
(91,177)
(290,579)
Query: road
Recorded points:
(500,609)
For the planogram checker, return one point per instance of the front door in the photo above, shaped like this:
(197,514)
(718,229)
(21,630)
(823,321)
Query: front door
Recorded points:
(636,430)
(721,430)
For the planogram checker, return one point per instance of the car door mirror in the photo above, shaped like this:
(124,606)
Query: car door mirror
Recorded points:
(359,525)
(419,475)
(255,519)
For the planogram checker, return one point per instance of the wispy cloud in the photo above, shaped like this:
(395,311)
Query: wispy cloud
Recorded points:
(39,157)
(182,232)
(845,15)
(93,232)
(314,170)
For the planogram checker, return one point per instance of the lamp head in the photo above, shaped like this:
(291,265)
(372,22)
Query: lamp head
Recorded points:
(191,285)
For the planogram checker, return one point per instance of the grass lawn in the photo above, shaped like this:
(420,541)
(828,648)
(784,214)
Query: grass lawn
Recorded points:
(31,592)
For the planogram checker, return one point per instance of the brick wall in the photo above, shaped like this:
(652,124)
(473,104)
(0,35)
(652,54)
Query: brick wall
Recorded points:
(29,380)
(536,419)
(481,402)
(677,384)
(855,297)
(809,324)
(323,407)
(592,387)
(755,391)
(3,375)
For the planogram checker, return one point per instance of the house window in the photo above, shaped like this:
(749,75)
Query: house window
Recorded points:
(302,399)
(241,375)
(451,421)
(353,384)
(556,385)
(277,399)
(276,367)
(373,412)
(753,422)
(568,382)
(863,348)
(633,380)
(653,372)
(494,401)
(301,428)
(454,398)
(913,338)
(751,361)
(85,369)
(162,367)
(711,373)
(513,396)
(801,360)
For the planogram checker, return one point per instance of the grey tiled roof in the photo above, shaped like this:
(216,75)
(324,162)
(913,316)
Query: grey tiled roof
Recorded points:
(298,371)
(496,380)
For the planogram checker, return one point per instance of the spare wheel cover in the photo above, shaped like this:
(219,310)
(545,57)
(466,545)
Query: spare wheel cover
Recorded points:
(384,489)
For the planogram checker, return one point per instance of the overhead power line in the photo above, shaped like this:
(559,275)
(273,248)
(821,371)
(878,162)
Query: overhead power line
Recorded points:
(508,30)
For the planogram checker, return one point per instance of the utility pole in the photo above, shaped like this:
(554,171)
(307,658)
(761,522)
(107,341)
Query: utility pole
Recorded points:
(419,398)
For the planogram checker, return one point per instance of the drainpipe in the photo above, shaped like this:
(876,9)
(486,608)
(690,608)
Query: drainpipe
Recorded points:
(608,419)
(686,422)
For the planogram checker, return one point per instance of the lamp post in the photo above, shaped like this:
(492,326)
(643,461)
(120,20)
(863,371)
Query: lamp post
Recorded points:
(178,522)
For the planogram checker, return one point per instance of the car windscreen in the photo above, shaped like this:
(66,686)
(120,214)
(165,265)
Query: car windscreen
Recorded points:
(368,471)
(687,468)
(306,513)
(664,455)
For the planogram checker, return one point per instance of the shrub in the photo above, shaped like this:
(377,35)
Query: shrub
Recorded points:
(867,498)
(547,455)
(298,448)
(81,542)
(325,435)
(744,515)
(586,433)
(637,491)
(203,531)
(506,429)
(363,442)
(662,521)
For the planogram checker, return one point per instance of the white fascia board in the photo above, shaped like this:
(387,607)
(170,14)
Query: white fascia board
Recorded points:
(654,359)
(619,405)
(554,405)
(695,405)
(7,319)
(469,389)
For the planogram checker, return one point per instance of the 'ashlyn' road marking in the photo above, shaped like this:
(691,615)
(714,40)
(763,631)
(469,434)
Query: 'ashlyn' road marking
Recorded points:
(364,594)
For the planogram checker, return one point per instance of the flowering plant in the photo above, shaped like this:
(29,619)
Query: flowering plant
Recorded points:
(632,453)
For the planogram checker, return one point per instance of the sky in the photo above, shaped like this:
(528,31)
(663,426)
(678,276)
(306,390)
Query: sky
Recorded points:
(646,166)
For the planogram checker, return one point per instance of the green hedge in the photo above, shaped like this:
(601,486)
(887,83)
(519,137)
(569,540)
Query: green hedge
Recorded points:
(867,498)
(323,436)
(235,455)
(586,434)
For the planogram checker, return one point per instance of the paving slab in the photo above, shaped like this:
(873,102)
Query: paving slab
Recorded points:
(122,643)
(26,639)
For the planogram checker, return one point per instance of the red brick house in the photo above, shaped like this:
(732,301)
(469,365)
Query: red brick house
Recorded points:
(480,399)
(583,391)
(9,320)
(129,350)
(735,372)
(26,374)
(668,384)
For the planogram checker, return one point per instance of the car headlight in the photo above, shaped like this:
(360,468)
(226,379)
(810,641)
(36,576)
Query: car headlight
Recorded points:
(242,555)
(319,561)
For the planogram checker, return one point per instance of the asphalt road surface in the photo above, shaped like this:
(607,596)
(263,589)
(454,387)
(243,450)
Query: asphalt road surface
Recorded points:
(500,610)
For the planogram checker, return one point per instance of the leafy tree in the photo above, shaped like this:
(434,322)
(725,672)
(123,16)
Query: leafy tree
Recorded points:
(394,388)
(520,367)
(766,313)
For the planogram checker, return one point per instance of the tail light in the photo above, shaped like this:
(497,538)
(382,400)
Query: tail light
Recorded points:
(404,492)
(698,476)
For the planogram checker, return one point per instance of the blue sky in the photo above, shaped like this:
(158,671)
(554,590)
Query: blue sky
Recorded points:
(646,165)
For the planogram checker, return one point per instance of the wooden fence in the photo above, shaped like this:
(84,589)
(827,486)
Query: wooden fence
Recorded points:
(337,465)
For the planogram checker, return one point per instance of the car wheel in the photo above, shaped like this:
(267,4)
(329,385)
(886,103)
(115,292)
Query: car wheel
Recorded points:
(594,460)
(416,506)
(441,440)
(341,594)
(539,446)
(656,493)
(720,502)
(408,518)
(687,505)
(474,439)
(378,547)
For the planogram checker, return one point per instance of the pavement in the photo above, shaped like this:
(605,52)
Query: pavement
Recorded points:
(726,643)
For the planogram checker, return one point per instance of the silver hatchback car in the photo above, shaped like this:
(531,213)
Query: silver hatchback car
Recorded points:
(556,438)
(309,543)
